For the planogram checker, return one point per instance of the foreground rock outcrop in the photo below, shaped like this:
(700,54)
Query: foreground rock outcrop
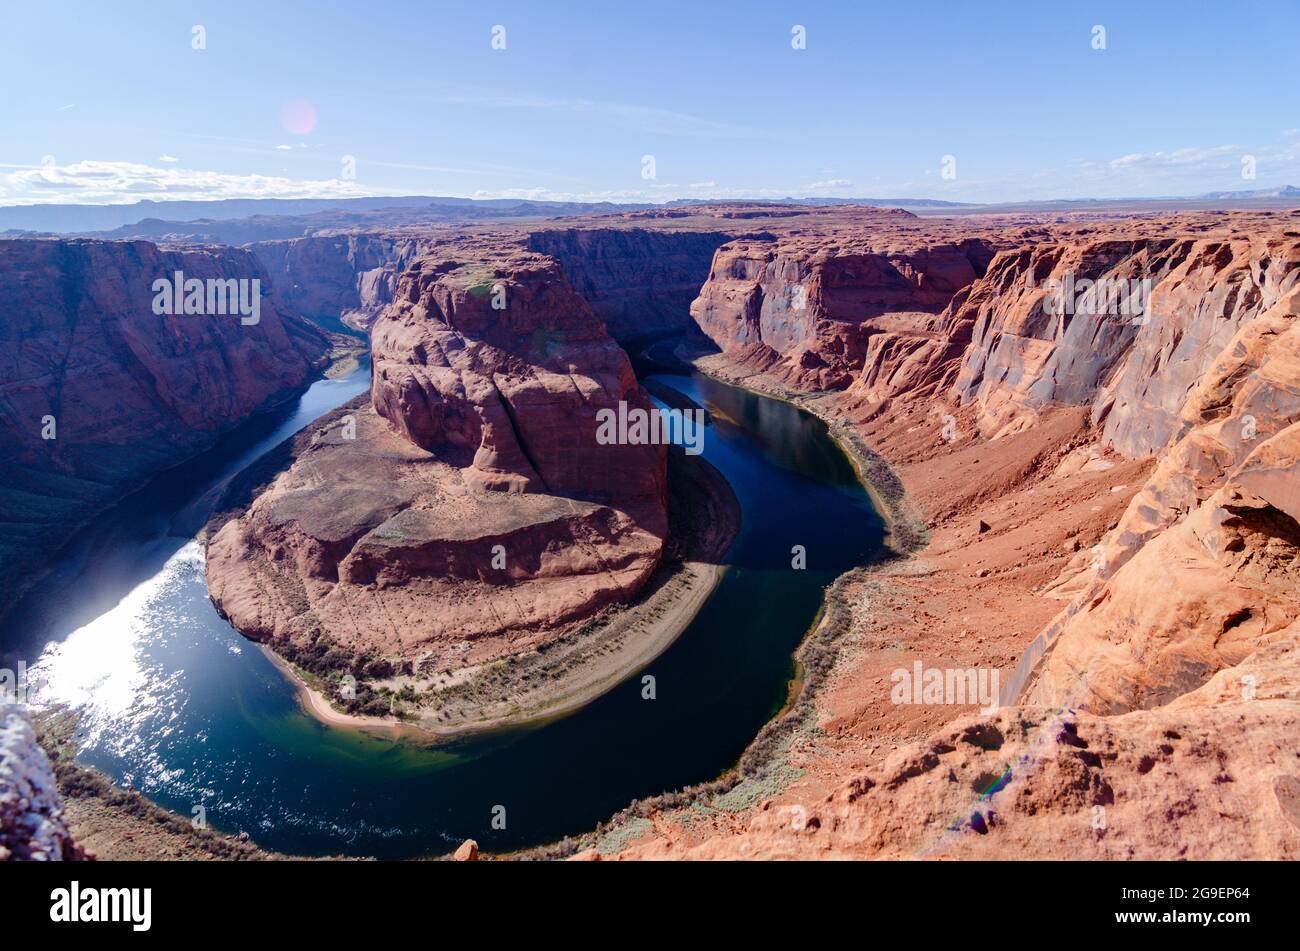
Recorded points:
(466,509)
(32,826)
(1212,776)
(98,392)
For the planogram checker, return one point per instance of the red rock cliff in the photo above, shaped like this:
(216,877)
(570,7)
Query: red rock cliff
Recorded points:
(126,391)
(1156,714)
(639,281)
(346,277)
(804,308)
(1134,371)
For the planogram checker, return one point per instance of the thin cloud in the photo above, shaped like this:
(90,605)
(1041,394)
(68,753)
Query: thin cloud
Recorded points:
(95,182)
(646,119)
(1180,158)
(168,158)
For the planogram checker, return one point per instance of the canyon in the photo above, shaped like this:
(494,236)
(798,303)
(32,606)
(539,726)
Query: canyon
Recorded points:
(639,278)
(1111,506)
(1099,506)
(99,392)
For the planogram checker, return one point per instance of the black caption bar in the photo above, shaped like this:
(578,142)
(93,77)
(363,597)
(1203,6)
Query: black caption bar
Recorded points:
(140,901)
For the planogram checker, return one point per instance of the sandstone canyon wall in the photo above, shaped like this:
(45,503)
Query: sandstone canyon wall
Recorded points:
(1156,715)
(1134,371)
(349,277)
(640,281)
(804,308)
(120,392)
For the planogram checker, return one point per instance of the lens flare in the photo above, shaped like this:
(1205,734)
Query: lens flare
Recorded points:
(298,116)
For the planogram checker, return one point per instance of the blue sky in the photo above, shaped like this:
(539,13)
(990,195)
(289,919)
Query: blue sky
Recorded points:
(109,102)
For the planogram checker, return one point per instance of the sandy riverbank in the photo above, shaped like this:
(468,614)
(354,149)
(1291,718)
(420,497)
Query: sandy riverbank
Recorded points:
(315,702)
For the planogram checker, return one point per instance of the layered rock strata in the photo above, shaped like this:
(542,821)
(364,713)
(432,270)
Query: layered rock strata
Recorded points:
(467,509)
(640,281)
(1129,480)
(805,309)
(347,277)
(98,391)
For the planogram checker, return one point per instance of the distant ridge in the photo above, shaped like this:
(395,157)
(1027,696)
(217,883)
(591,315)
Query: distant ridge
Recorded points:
(1285,191)
(162,217)
(63,219)
(879,202)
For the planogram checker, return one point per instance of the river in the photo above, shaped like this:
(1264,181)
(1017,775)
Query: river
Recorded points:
(177,704)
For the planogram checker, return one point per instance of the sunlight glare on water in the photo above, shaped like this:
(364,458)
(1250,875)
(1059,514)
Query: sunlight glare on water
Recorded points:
(103,669)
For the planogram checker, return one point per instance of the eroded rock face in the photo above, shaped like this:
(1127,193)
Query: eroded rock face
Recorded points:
(383,548)
(1156,715)
(1197,599)
(348,277)
(1211,776)
(804,309)
(1214,530)
(1034,341)
(1248,395)
(472,505)
(1217,288)
(639,281)
(1135,370)
(513,390)
(122,391)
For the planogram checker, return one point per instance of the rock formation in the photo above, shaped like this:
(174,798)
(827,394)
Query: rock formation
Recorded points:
(98,392)
(347,277)
(1155,715)
(804,308)
(32,826)
(469,505)
(1210,776)
(1216,530)
(640,281)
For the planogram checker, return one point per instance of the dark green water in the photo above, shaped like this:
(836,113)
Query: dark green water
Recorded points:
(177,704)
